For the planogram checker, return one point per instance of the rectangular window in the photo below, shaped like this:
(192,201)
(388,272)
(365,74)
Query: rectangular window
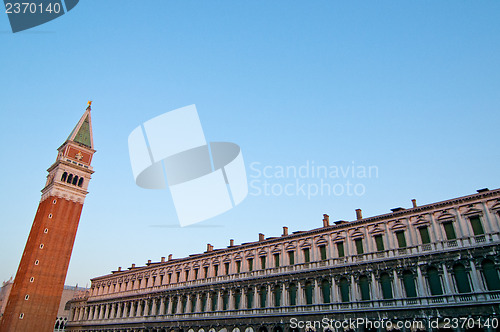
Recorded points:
(307,256)
(401,239)
(359,246)
(226,268)
(250,264)
(291,258)
(216,270)
(169,278)
(178,276)
(449,231)
(322,251)
(263,262)
(379,241)
(276,260)
(477,227)
(424,235)
(238,266)
(205,271)
(340,249)
(187,275)
(195,274)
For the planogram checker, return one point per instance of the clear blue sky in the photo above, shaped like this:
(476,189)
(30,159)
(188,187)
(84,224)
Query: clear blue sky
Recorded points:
(411,87)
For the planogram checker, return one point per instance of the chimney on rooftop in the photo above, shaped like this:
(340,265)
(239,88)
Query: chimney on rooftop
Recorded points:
(149,261)
(119,268)
(163,259)
(231,243)
(209,247)
(285,231)
(261,237)
(326,220)
(169,257)
(414,203)
(359,214)
(133,265)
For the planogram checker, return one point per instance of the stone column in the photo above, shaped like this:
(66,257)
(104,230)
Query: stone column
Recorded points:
(300,295)
(132,310)
(146,307)
(476,284)
(154,309)
(178,310)
(80,313)
(113,311)
(243,299)
(95,313)
(333,290)
(284,298)
(317,293)
(139,309)
(354,295)
(162,306)
(232,299)
(270,299)
(198,303)
(448,289)
(397,287)
(421,283)
(170,304)
(188,304)
(106,312)
(219,300)
(256,298)
(119,310)
(374,291)
(86,313)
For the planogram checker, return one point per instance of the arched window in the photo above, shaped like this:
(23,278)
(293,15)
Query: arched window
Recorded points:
(64,176)
(75,180)
(309,293)
(214,301)
(70,178)
(225,300)
(434,281)
(263,295)
(277,295)
(203,302)
(292,290)
(184,304)
(409,284)
(57,326)
(174,305)
(461,278)
(80,182)
(237,299)
(344,289)
(249,298)
(490,274)
(325,289)
(193,304)
(386,285)
(364,287)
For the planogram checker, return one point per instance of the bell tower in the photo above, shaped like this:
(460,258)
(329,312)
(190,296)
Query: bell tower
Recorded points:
(34,299)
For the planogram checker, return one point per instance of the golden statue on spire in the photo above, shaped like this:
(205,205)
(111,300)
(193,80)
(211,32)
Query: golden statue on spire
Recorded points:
(89,103)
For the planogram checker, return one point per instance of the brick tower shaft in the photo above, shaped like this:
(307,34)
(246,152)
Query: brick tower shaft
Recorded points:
(34,299)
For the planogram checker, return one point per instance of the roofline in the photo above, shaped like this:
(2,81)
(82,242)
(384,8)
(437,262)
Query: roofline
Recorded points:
(248,245)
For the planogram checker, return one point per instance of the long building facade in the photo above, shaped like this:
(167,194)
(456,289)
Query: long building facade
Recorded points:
(418,269)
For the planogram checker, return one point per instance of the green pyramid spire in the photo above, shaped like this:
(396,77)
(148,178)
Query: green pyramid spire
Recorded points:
(82,133)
